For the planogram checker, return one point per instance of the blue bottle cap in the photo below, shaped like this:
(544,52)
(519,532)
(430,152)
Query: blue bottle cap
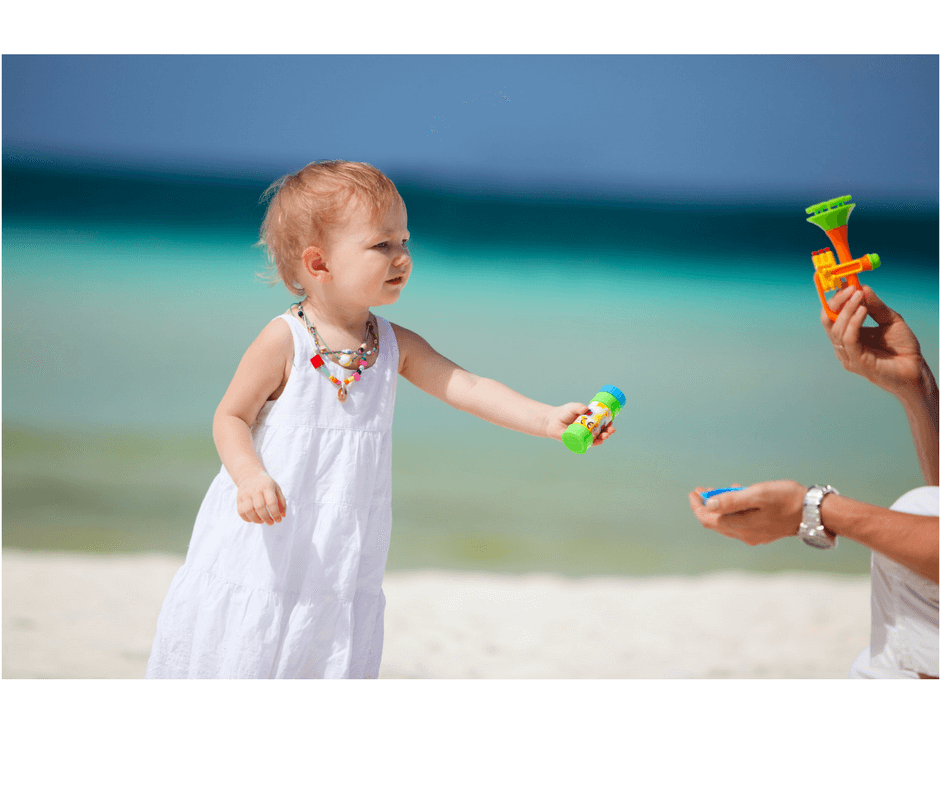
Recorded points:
(617,393)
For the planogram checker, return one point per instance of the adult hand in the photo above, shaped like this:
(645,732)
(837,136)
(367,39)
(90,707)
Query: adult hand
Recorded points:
(758,514)
(888,355)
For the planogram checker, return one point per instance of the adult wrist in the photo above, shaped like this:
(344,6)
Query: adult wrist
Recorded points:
(812,529)
(922,387)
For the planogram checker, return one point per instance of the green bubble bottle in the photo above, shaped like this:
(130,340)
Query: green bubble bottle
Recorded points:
(604,409)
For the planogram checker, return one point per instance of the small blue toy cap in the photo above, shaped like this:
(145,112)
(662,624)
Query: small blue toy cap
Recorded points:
(712,493)
(616,393)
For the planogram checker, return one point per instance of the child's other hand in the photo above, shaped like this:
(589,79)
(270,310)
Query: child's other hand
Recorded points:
(260,500)
(561,417)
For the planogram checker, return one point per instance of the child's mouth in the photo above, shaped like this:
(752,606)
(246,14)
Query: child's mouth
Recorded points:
(396,281)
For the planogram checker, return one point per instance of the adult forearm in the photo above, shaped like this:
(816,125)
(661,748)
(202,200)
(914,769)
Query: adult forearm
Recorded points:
(909,539)
(921,405)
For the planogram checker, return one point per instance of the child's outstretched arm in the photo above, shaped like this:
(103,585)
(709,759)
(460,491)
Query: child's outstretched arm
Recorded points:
(261,374)
(487,399)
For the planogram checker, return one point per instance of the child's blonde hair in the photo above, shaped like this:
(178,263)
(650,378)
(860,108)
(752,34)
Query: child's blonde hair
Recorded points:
(304,204)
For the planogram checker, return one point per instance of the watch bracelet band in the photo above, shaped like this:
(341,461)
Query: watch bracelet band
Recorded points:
(812,531)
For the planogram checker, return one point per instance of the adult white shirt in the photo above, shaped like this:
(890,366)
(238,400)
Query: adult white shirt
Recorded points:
(903,610)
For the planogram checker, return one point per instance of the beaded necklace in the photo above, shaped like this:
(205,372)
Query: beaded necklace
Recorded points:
(344,357)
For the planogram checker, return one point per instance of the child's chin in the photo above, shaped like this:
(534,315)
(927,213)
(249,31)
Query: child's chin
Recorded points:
(388,297)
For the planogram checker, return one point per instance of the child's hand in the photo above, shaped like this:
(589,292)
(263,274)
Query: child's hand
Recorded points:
(559,418)
(260,500)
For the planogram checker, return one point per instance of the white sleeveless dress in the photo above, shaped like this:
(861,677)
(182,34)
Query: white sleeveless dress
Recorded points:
(301,598)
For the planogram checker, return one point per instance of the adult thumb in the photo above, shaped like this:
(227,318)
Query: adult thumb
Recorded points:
(878,310)
(729,502)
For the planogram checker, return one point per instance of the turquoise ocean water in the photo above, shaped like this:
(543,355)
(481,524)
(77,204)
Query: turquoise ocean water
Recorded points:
(128,302)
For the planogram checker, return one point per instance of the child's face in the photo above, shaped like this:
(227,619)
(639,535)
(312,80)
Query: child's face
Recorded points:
(368,259)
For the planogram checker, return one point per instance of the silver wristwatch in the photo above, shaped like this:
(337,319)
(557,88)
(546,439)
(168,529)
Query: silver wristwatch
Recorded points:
(812,531)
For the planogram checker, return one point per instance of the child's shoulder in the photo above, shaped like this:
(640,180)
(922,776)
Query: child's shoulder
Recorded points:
(401,332)
(276,337)
(405,338)
(413,350)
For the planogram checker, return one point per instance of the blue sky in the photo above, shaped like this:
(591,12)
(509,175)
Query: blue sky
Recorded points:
(709,126)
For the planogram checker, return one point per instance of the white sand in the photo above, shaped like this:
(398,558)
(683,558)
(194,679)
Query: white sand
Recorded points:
(71,615)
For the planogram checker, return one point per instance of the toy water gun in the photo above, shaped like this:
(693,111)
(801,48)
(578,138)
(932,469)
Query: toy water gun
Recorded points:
(580,434)
(832,217)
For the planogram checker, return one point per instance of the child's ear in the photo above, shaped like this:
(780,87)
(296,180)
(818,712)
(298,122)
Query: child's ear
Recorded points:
(314,263)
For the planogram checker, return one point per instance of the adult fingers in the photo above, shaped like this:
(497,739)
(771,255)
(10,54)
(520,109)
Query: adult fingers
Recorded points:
(730,502)
(837,330)
(853,325)
(880,312)
(840,298)
(705,517)
(836,304)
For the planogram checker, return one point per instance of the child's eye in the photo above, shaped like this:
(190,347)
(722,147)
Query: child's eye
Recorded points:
(382,245)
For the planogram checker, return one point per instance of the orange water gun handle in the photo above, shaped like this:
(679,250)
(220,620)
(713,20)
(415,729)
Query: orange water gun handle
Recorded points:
(833,316)
(846,275)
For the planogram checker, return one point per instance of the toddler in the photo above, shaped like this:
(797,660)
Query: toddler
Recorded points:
(283,576)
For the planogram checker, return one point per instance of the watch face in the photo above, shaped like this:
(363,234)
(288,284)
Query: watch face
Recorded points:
(816,538)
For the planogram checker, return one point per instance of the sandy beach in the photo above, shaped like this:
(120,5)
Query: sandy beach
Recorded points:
(76,615)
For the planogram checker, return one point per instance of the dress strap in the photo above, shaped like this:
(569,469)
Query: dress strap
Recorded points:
(387,340)
(298,333)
